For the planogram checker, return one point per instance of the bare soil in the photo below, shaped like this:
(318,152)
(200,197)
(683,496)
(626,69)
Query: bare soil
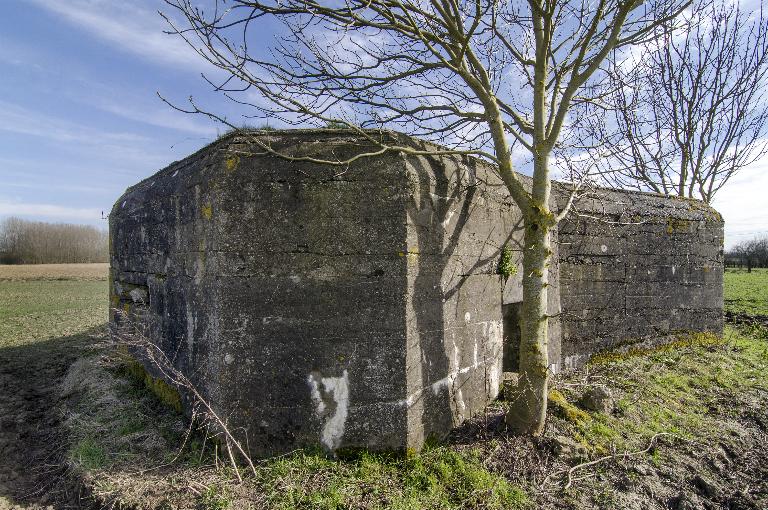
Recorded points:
(33,474)
(743,319)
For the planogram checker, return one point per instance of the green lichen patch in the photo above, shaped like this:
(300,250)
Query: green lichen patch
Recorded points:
(560,406)
(681,341)
(207,211)
(506,266)
(231,163)
(677,225)
(167,394)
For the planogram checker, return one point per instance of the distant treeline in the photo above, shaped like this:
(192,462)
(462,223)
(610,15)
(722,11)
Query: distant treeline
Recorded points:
(748,254)
(35,242)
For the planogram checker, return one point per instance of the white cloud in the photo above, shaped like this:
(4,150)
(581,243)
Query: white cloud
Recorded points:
(124,148)
(743,202)
(129,27)
(35,184)
(48,211)
(20,120)
(161,116)
(140,106)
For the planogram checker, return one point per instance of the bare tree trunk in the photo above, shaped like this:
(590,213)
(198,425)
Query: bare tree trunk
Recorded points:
(529,410)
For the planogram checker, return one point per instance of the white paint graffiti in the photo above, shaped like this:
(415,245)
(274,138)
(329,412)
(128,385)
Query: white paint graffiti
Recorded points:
(337,389)
(493,333)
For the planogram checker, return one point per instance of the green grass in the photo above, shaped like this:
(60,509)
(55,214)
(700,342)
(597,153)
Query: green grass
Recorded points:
(89,454)
(437,478)
(746,292)
(32,311)
(214,498)
(674,389)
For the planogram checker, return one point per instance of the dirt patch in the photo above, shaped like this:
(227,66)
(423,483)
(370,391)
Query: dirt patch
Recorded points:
(743,319)
(32,472)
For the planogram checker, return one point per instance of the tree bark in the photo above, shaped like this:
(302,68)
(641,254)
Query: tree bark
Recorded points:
(528,412)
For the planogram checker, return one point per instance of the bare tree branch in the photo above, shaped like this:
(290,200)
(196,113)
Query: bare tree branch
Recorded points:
(693,111)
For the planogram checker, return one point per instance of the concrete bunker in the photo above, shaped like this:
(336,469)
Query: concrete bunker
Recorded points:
(361,306)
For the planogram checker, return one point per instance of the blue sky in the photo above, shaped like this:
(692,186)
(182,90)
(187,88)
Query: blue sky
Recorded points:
(80,119)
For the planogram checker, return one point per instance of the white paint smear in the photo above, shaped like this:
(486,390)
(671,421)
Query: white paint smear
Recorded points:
(336,388)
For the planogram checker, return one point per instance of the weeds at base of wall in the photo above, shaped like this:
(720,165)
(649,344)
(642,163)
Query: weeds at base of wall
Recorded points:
(630,348)
(121,443)
(124,444)
(658,388)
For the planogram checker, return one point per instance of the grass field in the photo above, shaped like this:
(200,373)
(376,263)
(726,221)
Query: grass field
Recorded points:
(746,292)
(694,391)
(40,302)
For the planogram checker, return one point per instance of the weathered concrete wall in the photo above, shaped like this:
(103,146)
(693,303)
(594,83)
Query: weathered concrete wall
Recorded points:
(457,219)
(360,306)
(637,266)
(342,306)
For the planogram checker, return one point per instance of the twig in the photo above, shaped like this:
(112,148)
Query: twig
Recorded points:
(617,455)
(232,460)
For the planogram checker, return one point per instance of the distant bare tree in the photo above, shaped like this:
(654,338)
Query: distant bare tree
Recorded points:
(482,77)
(691,109)
(33,242)
(750,254)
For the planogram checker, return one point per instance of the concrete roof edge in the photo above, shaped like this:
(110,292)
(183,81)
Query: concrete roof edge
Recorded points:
(231,138)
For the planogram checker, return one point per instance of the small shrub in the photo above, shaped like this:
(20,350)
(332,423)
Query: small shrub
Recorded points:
(506,266)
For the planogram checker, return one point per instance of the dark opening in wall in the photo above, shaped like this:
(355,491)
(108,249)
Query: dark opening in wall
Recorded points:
(511,351)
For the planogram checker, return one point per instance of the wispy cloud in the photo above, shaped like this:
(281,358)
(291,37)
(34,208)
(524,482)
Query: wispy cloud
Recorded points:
(127,26)
(161,115)
(48,211)
(140,105)
(18,55)
(20,120)
(34,184)
(118,146)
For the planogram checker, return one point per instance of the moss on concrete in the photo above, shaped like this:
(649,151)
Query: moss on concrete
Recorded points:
(569,412)
(166,393)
